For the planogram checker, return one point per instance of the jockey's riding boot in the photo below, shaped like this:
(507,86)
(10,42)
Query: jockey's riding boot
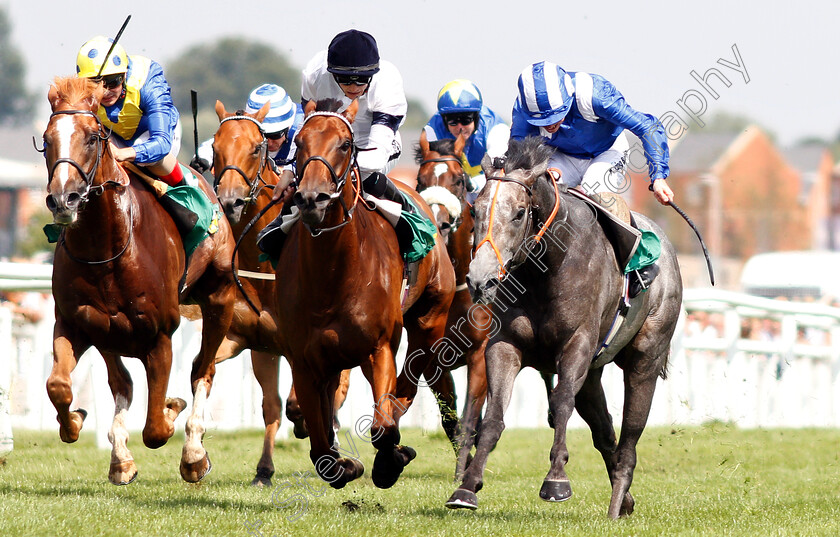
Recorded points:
(271,238)
(184,218)
(641,279)
(379,186)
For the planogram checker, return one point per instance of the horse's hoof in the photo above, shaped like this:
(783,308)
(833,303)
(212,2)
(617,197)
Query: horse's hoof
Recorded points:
(77,417)
(263,478)
(556,491)
(122,473)
(195,471)
(388,465)
(463,499)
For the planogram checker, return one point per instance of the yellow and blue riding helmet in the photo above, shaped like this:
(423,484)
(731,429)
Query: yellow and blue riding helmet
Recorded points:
(92,55)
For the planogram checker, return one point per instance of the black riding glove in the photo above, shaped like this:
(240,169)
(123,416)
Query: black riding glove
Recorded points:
(199,164)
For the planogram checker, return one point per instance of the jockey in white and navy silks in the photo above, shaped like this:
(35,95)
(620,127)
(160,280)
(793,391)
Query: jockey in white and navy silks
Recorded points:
(280,126)
(382,108)
(461,110)
(583,116)
(136,106)
(351,70)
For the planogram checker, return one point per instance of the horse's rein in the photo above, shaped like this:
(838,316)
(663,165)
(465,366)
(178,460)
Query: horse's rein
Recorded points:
(264,161)
(445,158)
(507,179)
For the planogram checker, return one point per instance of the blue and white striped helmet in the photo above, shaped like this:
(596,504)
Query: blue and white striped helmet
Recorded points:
(545,93)
(281,115)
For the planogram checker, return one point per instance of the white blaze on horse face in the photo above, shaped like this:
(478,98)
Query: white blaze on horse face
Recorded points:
(440,169)
(65,127)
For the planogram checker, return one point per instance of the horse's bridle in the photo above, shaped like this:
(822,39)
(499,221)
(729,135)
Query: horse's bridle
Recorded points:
(505,268)
(257,182)
(338,180)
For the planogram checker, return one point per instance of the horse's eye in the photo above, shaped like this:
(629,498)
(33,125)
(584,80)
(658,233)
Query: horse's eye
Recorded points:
(346,145)
(256,151)
(92,139)
(519,215)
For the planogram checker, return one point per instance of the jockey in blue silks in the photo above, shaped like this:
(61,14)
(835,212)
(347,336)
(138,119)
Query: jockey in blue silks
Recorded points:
(461,111)
(583,117)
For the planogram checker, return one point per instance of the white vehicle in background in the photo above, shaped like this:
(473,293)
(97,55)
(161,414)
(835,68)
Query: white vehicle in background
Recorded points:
(803,275)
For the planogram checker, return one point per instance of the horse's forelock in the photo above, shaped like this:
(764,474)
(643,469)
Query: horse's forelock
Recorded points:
(328,105)
(526,154)
(72,91)
(445,147)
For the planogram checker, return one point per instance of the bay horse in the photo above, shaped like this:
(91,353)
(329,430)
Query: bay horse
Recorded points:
(468,325)
(119,273)
(343,307)
(245,180)
(552,276)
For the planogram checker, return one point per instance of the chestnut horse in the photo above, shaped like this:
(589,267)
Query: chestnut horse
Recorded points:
(552,276)
(119,272)
(245,179)
(440,178)
(343,306)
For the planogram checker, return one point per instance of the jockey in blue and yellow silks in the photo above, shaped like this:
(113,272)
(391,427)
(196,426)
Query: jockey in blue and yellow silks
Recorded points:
(137,106)
(461,110)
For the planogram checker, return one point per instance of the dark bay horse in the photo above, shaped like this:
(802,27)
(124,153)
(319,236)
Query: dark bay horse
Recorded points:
(555,297)
(343,307)
(119,272)
(245,180)
(468,325)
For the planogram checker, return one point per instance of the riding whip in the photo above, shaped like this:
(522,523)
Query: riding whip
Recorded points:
(194,99)
(699,237)
(113,44)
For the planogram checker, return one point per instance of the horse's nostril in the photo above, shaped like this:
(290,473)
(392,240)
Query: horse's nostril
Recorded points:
(298,199)
(51,205)
(238,202)
(322,197)
(73,200)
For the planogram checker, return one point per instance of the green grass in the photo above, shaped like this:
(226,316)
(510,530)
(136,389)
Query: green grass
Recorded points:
(711,480)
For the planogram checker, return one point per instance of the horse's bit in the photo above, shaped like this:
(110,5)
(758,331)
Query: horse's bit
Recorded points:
(253,184)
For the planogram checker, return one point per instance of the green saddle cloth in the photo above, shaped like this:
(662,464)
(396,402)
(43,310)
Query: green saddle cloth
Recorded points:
(646,253)
(191,198)
(423,234)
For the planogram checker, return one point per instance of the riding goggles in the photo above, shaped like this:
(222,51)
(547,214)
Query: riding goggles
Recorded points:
(356,80)
(459,119)
(277,135)
(111,81)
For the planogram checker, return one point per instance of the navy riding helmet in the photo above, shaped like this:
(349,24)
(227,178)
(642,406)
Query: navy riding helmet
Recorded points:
(353,53)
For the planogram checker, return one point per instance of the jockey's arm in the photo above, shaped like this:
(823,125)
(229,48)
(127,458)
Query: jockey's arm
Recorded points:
(381,143)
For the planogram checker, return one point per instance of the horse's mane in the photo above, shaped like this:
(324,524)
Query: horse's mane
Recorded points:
(526,154)
(73,90)
(442,147)
(328,105)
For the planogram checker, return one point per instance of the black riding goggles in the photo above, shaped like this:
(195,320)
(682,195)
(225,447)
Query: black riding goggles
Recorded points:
(276,135)
(110,81)
(357,80)
(459,119)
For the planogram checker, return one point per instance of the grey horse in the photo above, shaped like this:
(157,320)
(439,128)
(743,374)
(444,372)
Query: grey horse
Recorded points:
(556,298)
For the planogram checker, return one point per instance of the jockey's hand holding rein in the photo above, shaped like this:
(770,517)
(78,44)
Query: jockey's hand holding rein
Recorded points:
(285,188)
(662,192)
(122,154)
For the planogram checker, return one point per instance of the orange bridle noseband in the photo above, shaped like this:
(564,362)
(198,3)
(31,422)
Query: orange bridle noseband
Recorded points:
(489,237)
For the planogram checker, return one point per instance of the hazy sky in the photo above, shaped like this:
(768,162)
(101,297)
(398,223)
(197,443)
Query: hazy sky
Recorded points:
(647,49)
